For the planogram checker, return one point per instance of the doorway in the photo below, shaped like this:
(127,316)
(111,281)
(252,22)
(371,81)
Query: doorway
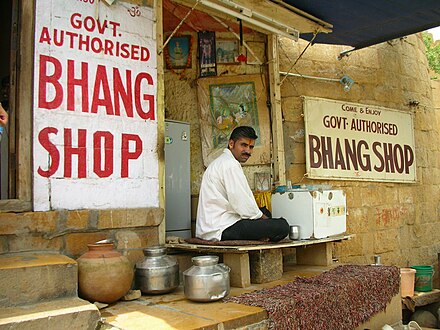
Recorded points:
(8,26)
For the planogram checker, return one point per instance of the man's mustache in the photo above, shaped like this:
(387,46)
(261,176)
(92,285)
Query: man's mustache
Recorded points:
(246,154)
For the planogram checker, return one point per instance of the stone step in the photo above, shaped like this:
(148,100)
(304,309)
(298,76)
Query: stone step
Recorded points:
(29,278)
(68,313)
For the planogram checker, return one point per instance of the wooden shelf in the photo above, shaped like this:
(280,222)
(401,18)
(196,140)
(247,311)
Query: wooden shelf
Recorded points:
(308,252)
(246,248)
(421,299)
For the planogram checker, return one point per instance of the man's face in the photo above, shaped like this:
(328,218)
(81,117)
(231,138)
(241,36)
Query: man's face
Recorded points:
(242,148)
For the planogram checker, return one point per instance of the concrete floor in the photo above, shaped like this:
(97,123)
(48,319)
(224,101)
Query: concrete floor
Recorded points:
(174,311)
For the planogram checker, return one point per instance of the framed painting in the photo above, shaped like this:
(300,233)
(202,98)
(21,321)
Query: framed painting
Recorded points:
(228,102)
(207,60)
(178,53)
(227,51)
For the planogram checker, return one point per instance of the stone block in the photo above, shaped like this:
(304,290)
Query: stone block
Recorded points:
(266,265)
(76,244)
(184,261)
(132,295)
(386,241)
(150,236)
(28,278)
(289,256)
(42,222)
(34,242)
(357,221)
(370,196)
(388,217)
(126,239)
(31,222)
(69,313)
(11,224)
(353,199)
(3,244)
(296,172)
(134,256)
(353,247)
(126,218)
(292,108)
(78,219)
(406,195)
(239,263)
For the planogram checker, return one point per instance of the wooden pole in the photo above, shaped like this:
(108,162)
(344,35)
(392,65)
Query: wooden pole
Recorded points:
(278,157)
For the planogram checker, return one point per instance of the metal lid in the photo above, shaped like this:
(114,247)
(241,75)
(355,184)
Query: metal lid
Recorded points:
(205,260)
(155,251)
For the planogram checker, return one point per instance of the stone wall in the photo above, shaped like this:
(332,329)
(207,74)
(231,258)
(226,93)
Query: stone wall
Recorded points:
(69,232)
(397,221)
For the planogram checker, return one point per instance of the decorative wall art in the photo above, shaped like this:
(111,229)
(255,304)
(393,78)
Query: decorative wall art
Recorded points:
(227,51)
(207,58)
(228,102)
(178,53)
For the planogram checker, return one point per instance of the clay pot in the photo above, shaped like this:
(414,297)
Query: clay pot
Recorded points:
(104,274)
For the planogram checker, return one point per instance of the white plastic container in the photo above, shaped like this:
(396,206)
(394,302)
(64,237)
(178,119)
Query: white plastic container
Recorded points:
(319,214)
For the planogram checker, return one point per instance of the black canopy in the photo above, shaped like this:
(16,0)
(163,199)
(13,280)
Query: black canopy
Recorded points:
(362,23)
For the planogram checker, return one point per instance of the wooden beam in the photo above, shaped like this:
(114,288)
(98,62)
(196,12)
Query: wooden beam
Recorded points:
(178,12)
(288,17)
(15,205)
(278,156)
(266,8)
(224,17)
(160,99)
(24,111)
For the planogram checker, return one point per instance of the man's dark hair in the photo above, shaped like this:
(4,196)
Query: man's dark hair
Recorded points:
(243,132)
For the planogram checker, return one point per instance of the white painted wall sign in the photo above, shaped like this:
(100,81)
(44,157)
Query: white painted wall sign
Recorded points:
(95,128)
(350,141)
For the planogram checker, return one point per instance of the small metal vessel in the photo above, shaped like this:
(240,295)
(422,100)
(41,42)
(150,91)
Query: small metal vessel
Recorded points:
(294,232)
(158,273)
(206,280)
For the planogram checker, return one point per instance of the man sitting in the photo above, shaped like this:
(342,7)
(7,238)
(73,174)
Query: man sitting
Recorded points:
(227,209)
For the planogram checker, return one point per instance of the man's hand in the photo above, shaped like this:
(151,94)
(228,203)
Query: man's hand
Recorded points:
(3,116)
(264,217)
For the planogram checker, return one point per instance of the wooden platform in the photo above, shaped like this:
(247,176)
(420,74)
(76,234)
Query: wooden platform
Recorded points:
(308,252)
(421,299)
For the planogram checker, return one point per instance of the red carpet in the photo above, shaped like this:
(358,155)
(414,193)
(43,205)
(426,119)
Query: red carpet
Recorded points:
(341,298)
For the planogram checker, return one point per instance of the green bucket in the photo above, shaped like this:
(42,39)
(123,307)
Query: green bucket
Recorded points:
(423,280)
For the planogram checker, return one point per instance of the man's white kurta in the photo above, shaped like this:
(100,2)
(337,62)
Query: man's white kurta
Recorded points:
(225,197)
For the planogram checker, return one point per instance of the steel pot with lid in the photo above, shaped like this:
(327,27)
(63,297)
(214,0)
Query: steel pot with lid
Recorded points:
(206,280)
(158,272)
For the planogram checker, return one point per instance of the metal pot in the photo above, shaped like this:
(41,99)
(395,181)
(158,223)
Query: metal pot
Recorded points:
(206,280)
(157,273)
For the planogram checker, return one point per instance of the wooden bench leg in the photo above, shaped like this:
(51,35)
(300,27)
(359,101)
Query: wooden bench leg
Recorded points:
(240,271)
(316,254)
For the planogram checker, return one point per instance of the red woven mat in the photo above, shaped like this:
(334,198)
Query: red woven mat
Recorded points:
(229,243)
(341,298)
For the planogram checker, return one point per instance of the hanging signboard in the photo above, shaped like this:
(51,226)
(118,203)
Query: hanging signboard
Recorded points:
(95,127)
(350,141)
